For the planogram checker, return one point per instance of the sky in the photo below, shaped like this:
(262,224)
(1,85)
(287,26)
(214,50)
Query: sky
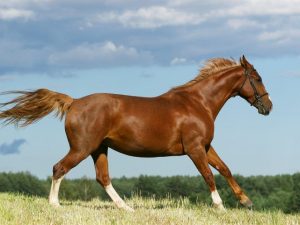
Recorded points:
(145,48)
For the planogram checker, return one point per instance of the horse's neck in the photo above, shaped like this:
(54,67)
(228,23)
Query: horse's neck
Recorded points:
(214,91)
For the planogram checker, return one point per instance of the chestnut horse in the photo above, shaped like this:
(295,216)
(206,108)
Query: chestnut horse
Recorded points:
(178,122)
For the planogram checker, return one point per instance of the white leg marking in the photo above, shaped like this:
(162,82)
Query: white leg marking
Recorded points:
(116,198)
(217,200)
(53,196)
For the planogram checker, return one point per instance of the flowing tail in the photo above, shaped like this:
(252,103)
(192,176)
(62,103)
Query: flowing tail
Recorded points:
(31,106)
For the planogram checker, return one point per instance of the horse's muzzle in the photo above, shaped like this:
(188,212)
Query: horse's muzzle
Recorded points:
(264,108)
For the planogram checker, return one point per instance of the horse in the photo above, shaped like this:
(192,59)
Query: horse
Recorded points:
(178,122)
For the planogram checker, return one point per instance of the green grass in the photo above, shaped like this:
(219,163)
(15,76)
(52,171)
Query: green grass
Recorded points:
(20,209)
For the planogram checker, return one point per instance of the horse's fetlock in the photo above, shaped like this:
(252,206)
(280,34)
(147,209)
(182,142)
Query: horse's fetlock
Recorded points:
(58,171)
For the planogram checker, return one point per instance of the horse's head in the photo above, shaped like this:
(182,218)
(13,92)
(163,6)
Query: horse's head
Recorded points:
(253,89)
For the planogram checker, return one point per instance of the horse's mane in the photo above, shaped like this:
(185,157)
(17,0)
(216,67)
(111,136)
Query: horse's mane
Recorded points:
(211,67)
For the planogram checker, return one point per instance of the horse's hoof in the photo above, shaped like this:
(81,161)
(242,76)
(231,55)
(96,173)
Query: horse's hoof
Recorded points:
(247,203)
(128,208)
(55,204)
(220,207)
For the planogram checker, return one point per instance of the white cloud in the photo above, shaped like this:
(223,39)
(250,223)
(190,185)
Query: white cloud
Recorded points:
(280,36)
(12,14)
(172,13)
(187,29)
(181,2)
(244,23)
(23,3)
(151,17)
(178,61)
(270,35)
(260,8)
(89,55)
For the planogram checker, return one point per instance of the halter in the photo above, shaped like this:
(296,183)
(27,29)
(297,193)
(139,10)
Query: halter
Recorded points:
(256,95)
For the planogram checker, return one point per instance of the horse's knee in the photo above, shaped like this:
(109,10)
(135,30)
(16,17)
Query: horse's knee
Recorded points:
(58,171)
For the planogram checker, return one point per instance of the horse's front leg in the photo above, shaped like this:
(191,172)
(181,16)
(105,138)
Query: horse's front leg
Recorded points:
(215,161)
(197,152)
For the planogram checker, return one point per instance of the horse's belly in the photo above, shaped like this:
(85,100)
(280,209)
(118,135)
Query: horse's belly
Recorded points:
(134,149)
(146,136)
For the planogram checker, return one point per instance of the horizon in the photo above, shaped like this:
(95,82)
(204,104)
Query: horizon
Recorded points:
(144,49)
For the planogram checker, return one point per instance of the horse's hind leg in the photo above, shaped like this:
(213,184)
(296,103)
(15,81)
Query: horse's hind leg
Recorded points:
(60,169)
(215,161)
(102,176)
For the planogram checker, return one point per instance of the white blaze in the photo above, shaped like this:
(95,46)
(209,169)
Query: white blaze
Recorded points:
(269,98)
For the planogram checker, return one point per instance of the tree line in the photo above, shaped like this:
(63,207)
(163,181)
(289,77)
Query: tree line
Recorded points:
(267,192)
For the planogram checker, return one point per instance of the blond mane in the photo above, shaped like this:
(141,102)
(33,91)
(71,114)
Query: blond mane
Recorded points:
(211,67)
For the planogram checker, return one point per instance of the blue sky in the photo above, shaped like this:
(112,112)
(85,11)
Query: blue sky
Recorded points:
(129,47)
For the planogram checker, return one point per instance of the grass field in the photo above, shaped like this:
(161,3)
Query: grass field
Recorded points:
(19,209)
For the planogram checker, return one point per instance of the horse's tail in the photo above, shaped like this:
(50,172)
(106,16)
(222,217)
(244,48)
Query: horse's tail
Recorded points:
(31,106)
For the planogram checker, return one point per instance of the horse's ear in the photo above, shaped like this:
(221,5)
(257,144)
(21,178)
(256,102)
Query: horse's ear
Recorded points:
(244,62)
